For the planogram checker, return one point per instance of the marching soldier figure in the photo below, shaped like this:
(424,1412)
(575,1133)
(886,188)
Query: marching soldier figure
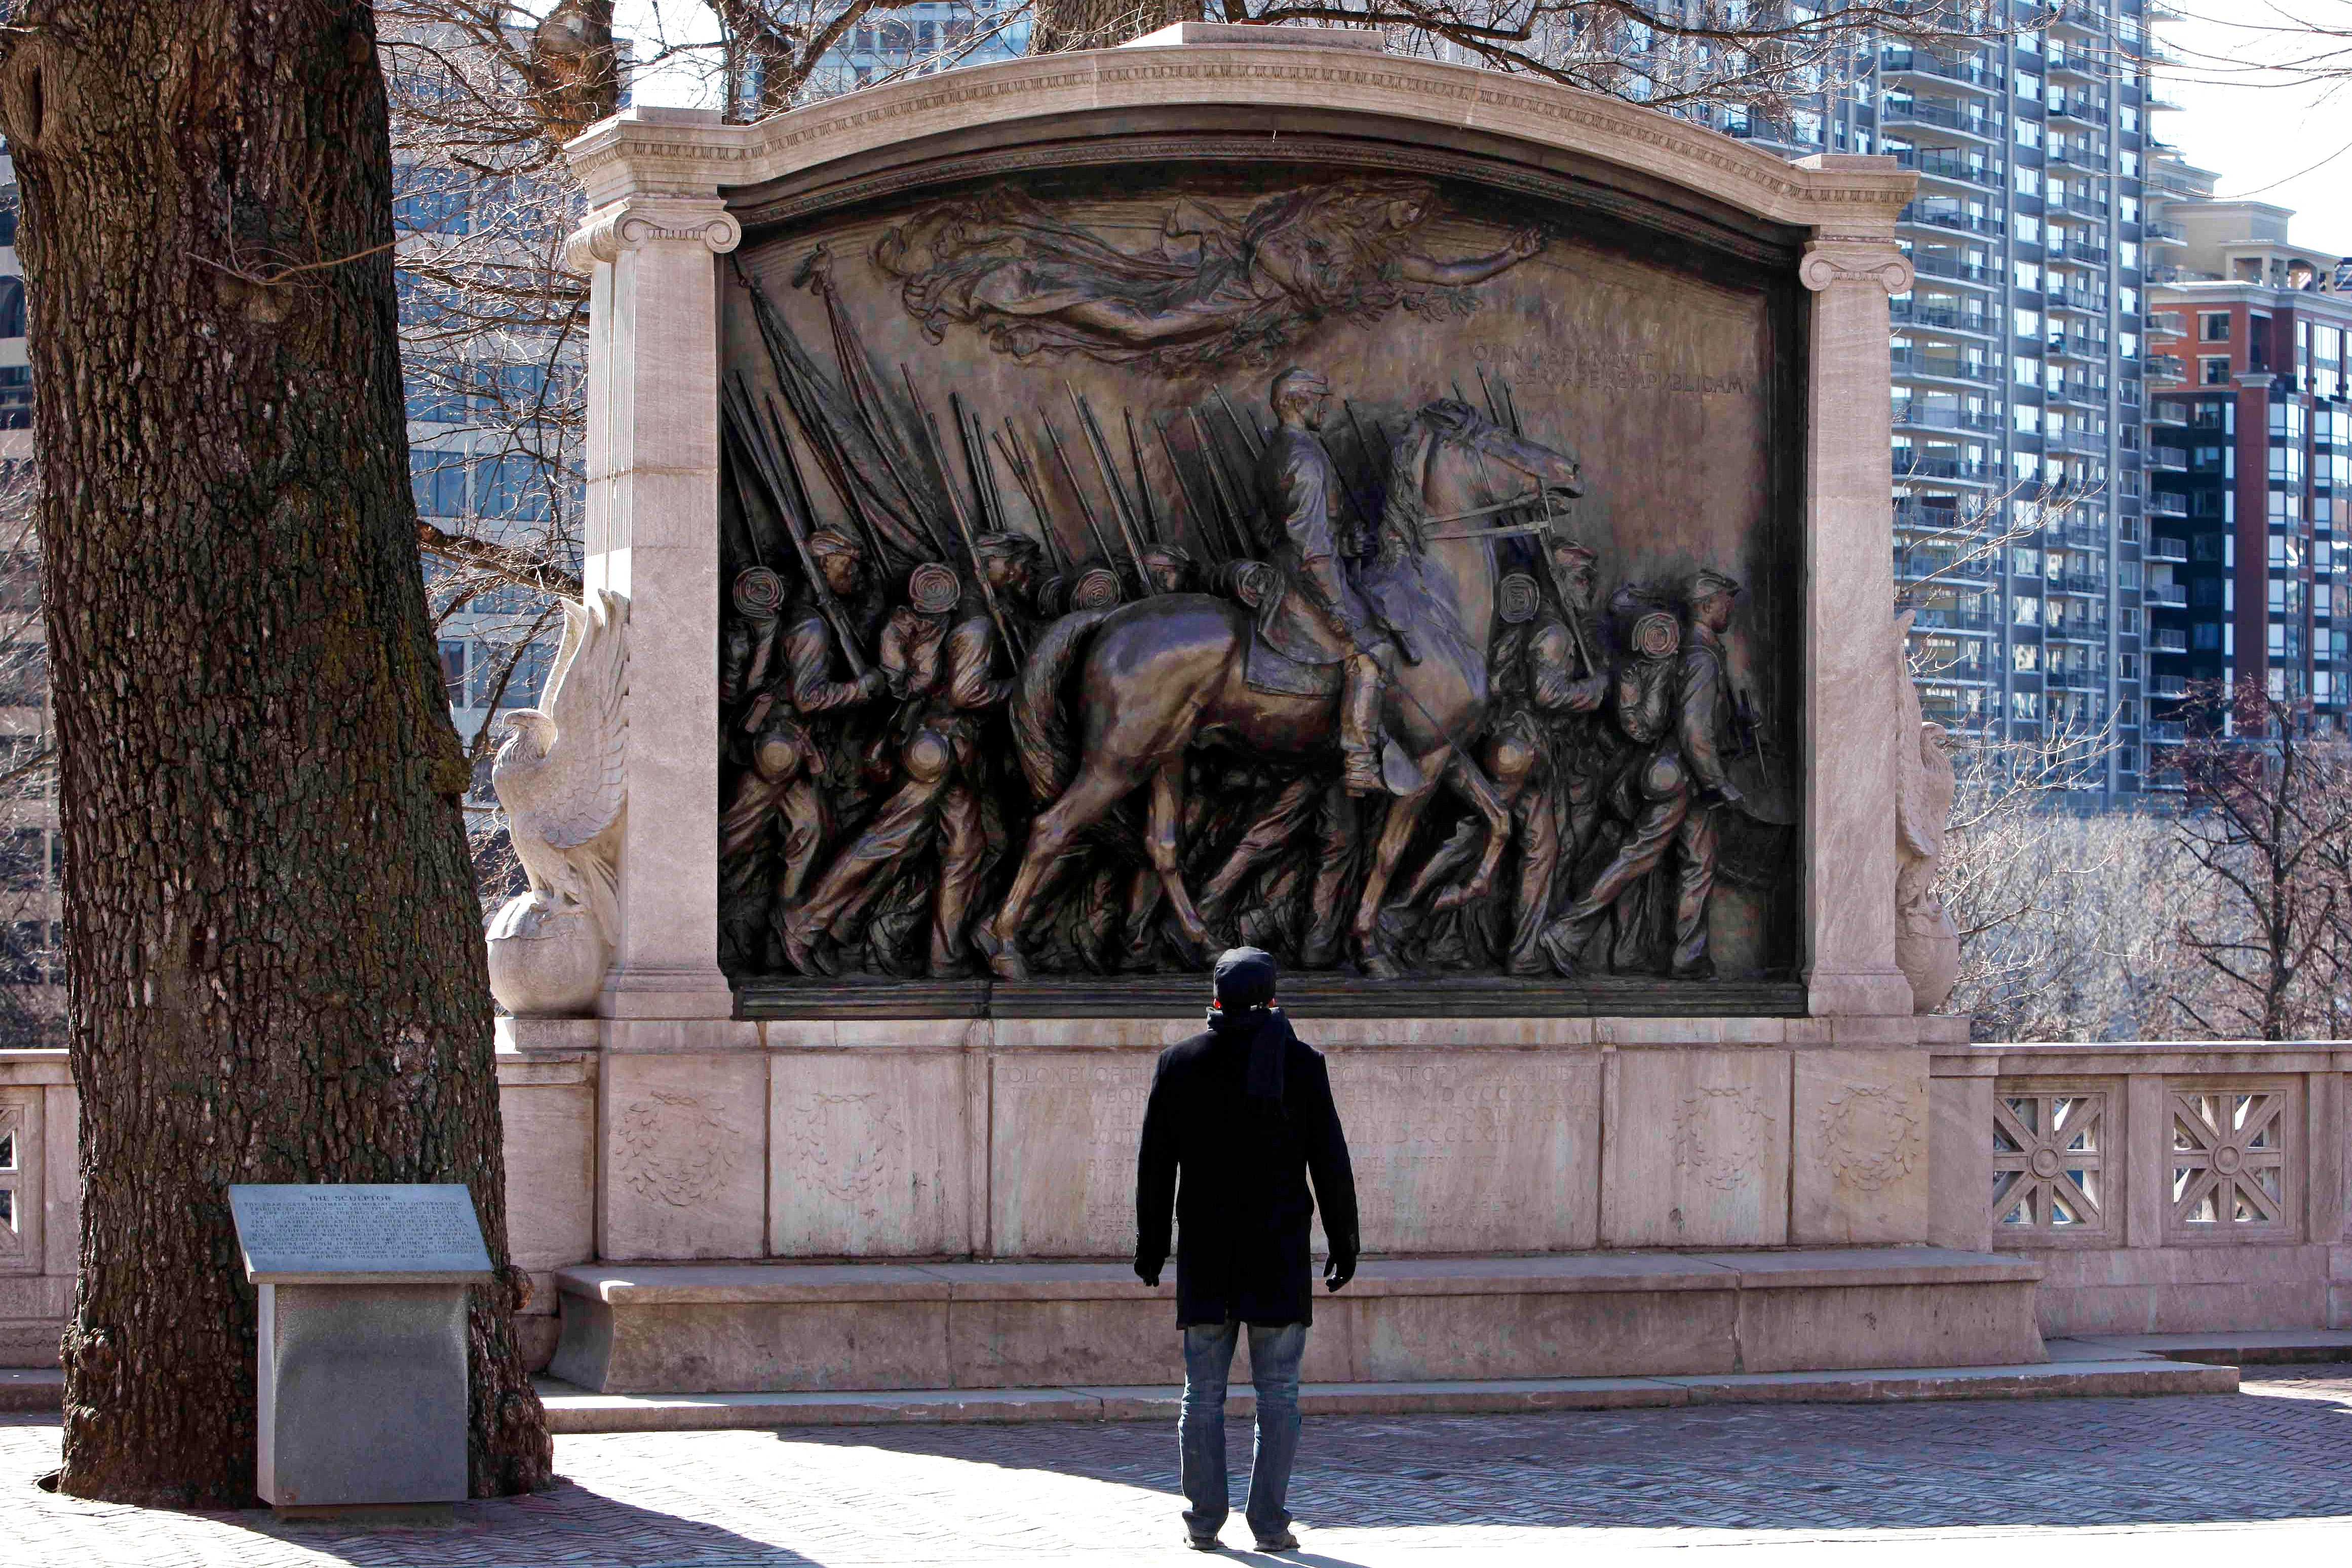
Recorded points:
(1704,729)
(937,652)
(1168,569)
(785,670)
(1543,682)
(1301,488)
(1671,704)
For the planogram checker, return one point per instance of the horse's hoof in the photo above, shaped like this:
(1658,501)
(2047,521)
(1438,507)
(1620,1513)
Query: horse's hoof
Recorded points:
(1003,957)
(1380,966)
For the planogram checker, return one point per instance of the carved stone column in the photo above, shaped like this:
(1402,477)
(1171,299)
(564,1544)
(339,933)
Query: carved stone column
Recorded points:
(652,533)
(1850,683)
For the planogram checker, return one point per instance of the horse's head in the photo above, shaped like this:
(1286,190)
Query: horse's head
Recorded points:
(1454,468)
(1541,472)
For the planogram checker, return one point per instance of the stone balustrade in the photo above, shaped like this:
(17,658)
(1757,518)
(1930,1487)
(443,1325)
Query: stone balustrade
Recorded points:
(2165,1188)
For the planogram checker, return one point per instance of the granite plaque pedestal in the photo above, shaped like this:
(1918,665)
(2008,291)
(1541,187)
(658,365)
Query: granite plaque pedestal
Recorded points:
(361,1368)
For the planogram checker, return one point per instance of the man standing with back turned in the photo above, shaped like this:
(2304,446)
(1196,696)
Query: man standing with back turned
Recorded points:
(1245,1113)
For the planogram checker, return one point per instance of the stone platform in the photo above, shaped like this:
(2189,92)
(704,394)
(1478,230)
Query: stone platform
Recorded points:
(804,1327)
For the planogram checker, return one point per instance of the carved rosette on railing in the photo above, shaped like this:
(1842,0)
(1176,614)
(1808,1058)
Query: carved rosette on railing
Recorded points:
(560,783)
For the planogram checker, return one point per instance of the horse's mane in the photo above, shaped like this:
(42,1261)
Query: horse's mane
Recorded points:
(1405,525)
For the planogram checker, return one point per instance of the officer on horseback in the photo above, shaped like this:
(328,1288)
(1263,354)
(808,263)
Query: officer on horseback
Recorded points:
(1319,619)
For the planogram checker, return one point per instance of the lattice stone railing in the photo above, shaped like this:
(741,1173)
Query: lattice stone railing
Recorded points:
(2047,1154)
(2228,1171)
(14,1157)
(2163,1186)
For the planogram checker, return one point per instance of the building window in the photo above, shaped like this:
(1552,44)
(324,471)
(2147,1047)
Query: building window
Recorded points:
(2212,326)
(2213,370)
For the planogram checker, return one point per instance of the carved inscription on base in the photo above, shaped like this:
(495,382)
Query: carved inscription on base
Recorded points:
(1473,1151)
(1063,1160)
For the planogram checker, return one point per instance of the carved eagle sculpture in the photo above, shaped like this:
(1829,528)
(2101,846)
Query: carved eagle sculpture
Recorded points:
(558,774)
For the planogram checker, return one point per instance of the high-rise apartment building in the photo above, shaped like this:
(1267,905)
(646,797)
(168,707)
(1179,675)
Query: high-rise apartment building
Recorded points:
(2019,492)
(2250,447)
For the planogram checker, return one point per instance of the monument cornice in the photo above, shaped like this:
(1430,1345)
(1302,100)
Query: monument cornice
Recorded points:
(652,149)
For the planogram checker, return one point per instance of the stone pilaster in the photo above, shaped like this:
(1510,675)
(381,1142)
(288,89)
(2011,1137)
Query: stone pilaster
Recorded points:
(1850,710)
(652,534)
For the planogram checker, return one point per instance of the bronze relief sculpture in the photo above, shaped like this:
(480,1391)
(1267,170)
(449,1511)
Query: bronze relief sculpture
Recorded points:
(1008,683)
(1214,286)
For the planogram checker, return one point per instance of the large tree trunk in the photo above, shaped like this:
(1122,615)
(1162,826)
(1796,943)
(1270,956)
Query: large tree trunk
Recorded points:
(1064,25)
(277,969)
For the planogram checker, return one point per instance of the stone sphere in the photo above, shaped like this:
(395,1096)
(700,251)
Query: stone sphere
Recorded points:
(546,961)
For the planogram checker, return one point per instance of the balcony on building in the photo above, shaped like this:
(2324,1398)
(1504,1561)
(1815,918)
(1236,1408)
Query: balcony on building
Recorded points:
(1945,213)
(1943,312)
(1952,266)
(1973,72)
(1948,462)
(1932,361)
(2165,595)
(2162,547)
(1964,166)
(1964,120)
(2168,640)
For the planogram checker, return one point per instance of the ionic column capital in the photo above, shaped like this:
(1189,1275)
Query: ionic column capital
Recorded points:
(1832,259)
(641,220)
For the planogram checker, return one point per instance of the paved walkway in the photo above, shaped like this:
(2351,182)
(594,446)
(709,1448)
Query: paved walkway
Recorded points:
(2035,1480)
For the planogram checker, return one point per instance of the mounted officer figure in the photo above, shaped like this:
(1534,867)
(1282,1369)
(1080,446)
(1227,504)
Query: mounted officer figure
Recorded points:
(1319,619)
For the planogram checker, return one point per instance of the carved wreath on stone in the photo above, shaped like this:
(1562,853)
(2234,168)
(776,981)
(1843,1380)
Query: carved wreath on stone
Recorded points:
(1720,1136)
(1871,1137)
(844,1142)
(673,1149)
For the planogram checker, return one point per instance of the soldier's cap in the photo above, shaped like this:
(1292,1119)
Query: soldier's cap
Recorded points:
(1170,554)
(1299,382)
(1707,582)
(1244,979)
(1004,545)
(933,589)
(833,541)
(1561,544)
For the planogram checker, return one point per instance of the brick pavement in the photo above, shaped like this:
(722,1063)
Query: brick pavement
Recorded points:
(2270,1468)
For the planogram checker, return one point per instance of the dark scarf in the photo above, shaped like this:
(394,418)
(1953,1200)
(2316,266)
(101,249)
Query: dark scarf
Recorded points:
(1267,1033)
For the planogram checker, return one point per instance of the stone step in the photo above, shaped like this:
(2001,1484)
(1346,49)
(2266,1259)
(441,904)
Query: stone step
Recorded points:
(798,1328)
(32,1388)
(2234,1347)
(573,1410)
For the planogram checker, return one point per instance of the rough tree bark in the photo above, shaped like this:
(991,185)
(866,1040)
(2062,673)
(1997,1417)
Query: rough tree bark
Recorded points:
(276,967)
(1063,24)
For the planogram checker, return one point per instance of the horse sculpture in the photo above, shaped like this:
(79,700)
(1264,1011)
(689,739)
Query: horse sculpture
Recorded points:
(1159,676)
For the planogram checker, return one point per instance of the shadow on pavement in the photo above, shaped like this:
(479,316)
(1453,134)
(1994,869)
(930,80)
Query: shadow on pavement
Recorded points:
(1795,1468)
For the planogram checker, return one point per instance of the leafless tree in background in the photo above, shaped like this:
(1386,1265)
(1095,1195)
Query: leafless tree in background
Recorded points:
(32,951)
(2270,820)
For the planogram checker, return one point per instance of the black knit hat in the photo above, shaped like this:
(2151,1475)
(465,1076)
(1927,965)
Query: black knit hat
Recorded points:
(1245,979)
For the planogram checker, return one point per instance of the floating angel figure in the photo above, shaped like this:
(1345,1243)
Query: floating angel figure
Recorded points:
(1215,289)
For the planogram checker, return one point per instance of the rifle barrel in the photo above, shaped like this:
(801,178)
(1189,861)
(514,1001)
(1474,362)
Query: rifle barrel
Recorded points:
(1085,508)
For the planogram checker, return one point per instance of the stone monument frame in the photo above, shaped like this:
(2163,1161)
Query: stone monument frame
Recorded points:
(672,191)
(721,1135)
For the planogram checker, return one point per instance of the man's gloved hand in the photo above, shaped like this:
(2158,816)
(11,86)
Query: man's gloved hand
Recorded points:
(1339,1269)
(1148,1268)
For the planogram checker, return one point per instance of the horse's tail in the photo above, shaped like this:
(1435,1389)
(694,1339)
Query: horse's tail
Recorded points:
(1039,734)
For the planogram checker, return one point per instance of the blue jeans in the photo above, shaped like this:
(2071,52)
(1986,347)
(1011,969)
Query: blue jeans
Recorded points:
(1275,1356)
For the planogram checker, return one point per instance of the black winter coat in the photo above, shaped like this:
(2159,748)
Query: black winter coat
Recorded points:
(1243,1206)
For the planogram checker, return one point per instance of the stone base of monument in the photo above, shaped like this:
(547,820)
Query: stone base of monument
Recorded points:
(792,1327)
